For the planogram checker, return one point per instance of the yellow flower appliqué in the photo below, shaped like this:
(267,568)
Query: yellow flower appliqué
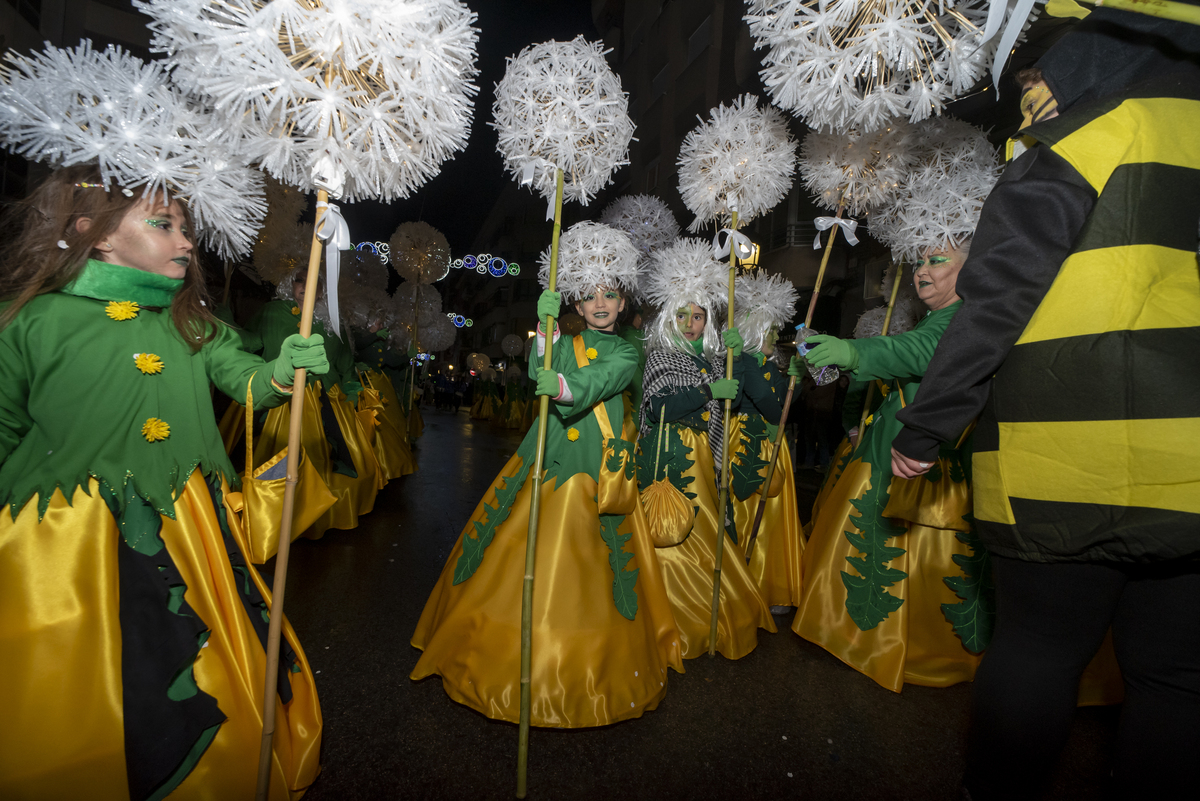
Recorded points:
(703,371)
(884,389)
(122,310)
(154,430)
(572,434)
(870,419)
(704,416)
(767,376)
(148,363)
(295,310)
(591,353)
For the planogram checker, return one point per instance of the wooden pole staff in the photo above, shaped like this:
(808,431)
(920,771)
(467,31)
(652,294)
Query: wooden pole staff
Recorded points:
(723,495)
(887,323)
(275,625)
(787,401)
(535,507)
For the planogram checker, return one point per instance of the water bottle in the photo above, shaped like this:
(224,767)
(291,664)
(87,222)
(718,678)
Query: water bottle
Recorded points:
(820,375)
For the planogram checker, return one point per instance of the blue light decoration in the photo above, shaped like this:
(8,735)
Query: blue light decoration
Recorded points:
(487,264)
(381,249)
(460,321)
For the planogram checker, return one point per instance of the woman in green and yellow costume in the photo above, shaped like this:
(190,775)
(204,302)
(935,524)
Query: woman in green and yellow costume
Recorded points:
(765,303)
(873,590)
(603,633)
(683,387)
(132,628)
(332,434)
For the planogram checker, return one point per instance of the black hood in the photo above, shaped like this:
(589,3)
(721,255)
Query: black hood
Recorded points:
(1109,51)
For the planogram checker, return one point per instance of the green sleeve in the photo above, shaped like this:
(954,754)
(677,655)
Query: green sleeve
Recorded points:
(14,399)
(678,404)
(230,367)
(600,380)
(758,381)
(904,355)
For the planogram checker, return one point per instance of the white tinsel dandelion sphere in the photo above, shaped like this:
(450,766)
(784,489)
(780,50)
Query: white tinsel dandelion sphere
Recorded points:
(686,272)
(855,170)
(592,255)
(81,106)
(763,302)
(437,336)
(742,159)
(419,252)
(559,105)
(860,63)
(940,197)
(417,304)
(645,218)
(383,87)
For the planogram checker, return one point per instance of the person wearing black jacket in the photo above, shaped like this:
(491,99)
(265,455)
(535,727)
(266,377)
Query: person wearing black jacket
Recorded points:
(1078,346)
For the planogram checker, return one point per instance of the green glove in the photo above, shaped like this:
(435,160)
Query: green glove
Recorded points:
(535,367)
(796,367)
(733,340)
(547,384)
(383,333)
(296,352)
(549,305)
(351,388)
(362,367)
(724,389)
(826,350)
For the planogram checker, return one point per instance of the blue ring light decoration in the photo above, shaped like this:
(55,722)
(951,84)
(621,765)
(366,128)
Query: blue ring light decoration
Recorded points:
(482,263)
(381,249)
(459,320)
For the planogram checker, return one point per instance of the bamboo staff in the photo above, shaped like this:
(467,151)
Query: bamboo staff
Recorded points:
(723,495)
(787,401)
(887,323)
(535,506)
(275,625)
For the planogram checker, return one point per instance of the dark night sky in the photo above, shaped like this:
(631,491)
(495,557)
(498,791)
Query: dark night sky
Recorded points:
(457,201)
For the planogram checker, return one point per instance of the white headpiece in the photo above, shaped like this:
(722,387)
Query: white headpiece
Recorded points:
(940,198)
(80,106)
(763,302)
(591,255)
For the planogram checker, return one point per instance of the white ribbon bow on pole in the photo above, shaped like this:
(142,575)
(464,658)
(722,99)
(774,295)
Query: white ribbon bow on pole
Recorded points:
(847,225)
(744,247)
(527,173)
(334,232)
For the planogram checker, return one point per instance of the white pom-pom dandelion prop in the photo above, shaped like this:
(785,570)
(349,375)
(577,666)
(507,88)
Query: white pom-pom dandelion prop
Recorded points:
(646,219)
(421,255)
(736,166)
(107,107)
(560,114)
(850,171)
(685,272)
(592,255)
(354,98)
(860,63)
(940,197)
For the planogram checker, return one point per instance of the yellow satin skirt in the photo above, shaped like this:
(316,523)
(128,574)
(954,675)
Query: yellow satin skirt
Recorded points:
(516,413)
(482,409)
(914,644)
(392,410)
(416,423)
(775,563)
(232,425)
(389,445)
(62,736)
(355,496)
(591,666)
(687,570)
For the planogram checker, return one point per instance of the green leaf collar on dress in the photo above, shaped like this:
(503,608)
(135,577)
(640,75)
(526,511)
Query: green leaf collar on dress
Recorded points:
(103,281)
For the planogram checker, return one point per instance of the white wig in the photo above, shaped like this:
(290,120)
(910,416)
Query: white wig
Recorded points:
(681,274)
(764,303)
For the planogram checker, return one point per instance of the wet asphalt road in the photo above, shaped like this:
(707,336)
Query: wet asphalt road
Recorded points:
(787,721)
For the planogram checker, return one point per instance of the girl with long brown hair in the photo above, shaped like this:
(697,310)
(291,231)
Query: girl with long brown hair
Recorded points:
(131,625)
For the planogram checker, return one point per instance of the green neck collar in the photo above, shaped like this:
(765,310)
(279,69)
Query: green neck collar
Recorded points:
(103,281)
(697,346)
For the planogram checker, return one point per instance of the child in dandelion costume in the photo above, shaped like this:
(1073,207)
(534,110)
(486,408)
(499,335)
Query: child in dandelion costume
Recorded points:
(681,443)
(603,633)
(132,628)
(331,433)
(764,304)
